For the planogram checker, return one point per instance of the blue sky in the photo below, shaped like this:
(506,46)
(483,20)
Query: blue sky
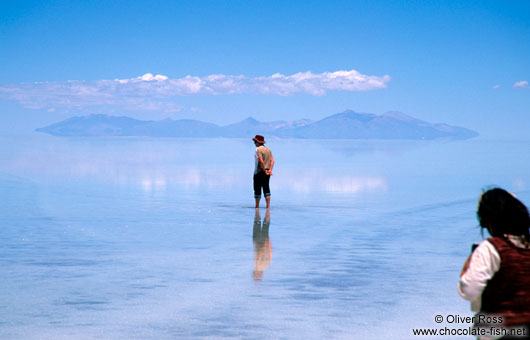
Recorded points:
(464,63)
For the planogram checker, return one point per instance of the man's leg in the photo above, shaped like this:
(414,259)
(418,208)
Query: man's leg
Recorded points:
(257,190)
(267,190)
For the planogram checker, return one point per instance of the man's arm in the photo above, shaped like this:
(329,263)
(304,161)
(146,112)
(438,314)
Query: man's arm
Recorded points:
(269,172)
(261,163)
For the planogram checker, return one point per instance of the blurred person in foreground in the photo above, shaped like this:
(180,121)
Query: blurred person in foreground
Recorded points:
(262,170)
(496,276)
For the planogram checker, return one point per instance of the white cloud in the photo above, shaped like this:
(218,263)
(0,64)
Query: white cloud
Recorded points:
(523,84)
(319,181)
(155,92)
(150,77)
(496,86)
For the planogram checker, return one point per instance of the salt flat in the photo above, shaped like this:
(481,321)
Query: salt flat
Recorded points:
(138,238)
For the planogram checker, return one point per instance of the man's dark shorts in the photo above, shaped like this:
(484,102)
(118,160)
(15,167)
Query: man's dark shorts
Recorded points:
(261,180)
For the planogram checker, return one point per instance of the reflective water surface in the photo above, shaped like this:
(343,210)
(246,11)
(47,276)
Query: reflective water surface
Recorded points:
(137,238)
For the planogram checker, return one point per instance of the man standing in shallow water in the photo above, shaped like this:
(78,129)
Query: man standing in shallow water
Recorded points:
(262,170)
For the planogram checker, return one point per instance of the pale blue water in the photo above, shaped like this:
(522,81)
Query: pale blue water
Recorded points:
(153,238)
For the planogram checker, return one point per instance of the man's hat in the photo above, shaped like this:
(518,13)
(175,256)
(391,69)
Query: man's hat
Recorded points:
(259,139)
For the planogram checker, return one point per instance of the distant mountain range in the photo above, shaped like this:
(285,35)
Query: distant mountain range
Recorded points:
(345,125)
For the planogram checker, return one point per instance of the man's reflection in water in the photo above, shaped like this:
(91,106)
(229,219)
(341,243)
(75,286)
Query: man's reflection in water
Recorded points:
(262,245)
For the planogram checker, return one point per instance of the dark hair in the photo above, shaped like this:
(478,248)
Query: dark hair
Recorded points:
(503,213)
